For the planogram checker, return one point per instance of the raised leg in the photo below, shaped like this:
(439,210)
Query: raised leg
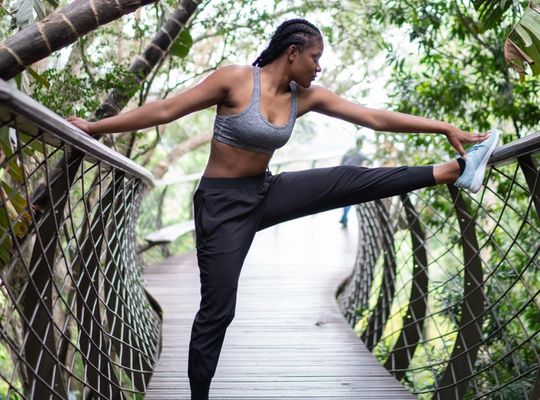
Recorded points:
(296,194)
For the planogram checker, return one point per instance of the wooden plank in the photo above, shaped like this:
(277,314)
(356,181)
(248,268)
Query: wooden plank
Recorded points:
(288,339)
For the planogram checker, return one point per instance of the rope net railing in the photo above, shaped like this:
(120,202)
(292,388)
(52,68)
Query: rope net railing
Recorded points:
(75,320)
(444,290)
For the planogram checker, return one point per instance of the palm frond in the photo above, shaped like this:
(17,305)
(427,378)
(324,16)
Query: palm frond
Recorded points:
(522,46)
(491,11)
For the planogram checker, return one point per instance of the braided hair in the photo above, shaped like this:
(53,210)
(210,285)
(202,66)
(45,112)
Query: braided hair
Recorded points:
(296,31)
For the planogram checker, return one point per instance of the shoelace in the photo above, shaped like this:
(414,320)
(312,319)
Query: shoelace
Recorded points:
(474,148)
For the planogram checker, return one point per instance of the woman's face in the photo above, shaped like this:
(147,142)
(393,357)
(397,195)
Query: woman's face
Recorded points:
(305,65)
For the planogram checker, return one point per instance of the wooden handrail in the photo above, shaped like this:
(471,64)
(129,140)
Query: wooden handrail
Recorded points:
(43,119)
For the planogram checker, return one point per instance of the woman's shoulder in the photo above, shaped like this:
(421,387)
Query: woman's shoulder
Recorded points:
(315,97)
(227,78)
(234,72)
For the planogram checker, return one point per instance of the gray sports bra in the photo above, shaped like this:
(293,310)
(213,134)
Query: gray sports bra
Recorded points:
(249,130)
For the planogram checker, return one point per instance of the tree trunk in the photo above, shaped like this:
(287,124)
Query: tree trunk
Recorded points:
(185,147)
(58,30)
(152,54)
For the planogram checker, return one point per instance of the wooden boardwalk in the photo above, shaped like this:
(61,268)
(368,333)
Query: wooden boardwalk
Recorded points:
(288,340)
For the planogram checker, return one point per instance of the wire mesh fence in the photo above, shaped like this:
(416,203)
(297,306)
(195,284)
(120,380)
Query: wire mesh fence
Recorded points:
(445,287)
(75,320)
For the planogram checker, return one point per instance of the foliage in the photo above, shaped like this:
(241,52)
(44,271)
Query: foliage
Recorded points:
(14,213)
(450,68)
(182,45)
(61,97)
(453,71)
(490,12)
(522,47)
(21,14)
(507,230)
(24,12)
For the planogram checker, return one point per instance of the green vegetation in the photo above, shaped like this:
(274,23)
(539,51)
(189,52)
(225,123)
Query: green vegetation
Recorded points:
(443,60)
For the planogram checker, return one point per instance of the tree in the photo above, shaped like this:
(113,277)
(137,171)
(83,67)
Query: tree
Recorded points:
(458,73)
(58,30)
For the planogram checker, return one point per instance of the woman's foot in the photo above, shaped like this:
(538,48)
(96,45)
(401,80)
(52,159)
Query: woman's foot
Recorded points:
(470,174)
(476,162)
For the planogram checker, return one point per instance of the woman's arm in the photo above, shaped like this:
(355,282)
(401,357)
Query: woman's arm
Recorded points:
(211,91)
(326,102)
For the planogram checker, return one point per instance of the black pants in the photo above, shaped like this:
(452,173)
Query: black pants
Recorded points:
(228,213)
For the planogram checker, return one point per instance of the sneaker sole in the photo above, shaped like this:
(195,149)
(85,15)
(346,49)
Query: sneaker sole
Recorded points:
(478,177)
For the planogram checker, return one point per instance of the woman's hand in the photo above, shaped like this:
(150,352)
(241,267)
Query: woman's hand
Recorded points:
(80,123)
(458,138)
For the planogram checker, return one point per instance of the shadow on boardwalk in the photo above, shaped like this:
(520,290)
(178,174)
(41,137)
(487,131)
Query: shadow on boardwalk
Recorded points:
(288,340)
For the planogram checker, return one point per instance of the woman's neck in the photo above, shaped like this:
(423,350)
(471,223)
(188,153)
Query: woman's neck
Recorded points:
(276,77)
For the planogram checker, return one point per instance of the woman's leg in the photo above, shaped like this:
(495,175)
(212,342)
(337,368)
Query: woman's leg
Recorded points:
(226,220)
(448,172)
(345,216)
(295,194)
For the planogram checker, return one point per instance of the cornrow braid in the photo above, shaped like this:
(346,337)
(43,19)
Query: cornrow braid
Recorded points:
(296,31)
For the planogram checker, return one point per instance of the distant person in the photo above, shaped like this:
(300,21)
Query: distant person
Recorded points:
(353,156)
(237,196)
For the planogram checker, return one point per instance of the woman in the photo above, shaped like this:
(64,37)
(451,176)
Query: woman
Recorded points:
(256,109)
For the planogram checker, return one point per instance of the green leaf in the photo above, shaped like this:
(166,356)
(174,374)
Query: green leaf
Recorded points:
(12,168)
(531,21)
(53,3)
(18,201)
(182,45)
(525,41)
(522,32)
(5,144)
(5,244)
(20,228)
(491,11)
(4,251)
(15,171)
(39,78)
(4,222)
(18,81)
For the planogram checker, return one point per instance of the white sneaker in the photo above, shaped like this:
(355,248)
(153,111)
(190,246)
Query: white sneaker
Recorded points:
(475,164)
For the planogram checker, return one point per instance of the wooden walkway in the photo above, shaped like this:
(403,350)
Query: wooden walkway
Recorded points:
(288,340)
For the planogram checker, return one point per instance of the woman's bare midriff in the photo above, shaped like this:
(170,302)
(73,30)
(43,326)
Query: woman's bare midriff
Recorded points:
(230,162)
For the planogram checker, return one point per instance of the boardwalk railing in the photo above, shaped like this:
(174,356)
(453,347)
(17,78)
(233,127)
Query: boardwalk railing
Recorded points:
(75,321)
(444,290)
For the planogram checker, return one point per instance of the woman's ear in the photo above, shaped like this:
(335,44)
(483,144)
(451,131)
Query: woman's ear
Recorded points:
(292,52)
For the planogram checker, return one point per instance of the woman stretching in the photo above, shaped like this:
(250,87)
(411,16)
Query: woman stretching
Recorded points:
(237,196)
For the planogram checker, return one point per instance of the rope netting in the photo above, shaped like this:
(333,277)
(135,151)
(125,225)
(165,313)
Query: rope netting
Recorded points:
(75,319)
(445,288)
